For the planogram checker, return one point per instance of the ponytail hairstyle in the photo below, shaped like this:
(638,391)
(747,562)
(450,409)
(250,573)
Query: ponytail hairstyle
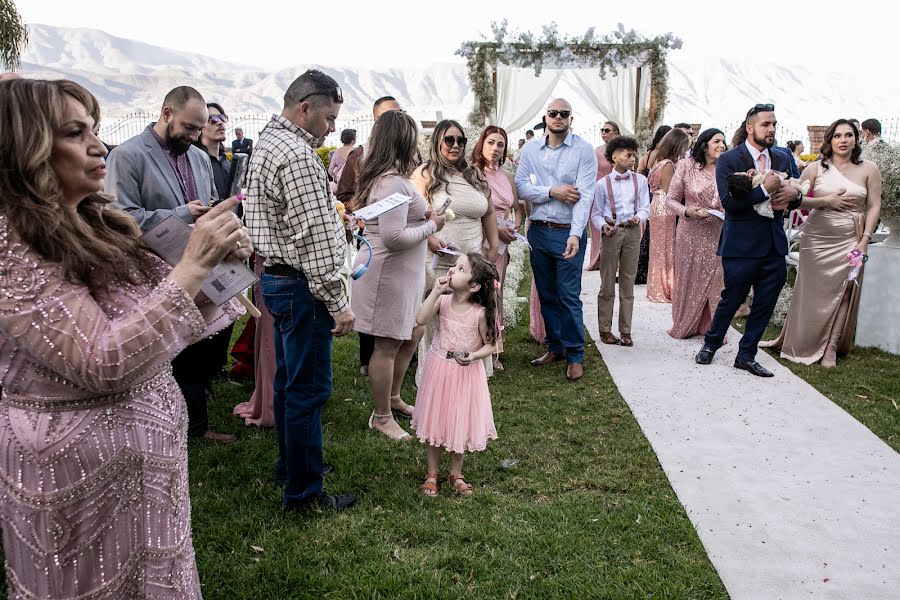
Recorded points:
(484,273)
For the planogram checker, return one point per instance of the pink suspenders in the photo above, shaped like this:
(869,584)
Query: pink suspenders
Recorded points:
(612,200)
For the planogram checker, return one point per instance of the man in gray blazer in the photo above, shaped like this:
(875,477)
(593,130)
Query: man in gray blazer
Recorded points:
(155,175)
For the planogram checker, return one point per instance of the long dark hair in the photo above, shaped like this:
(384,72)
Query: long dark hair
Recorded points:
(392,146)
(661,132)
(698,152)
(438,169)
(100,246)
(484,273)
(826,152)
(478,158)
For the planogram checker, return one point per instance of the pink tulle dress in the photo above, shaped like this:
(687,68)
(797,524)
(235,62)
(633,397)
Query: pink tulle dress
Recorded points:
(453,406)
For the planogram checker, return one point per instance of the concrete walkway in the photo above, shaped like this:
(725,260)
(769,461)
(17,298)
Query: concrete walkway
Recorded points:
(790,495)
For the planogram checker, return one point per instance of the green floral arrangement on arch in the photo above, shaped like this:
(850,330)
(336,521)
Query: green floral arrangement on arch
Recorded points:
(887,157)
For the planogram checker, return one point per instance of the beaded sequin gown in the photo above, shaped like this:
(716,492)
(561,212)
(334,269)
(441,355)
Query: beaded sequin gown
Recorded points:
(93,433)
(698,278)
(660,272)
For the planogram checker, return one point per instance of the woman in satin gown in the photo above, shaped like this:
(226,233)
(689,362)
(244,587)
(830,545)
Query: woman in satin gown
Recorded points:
(662,219)
(698,279)
(821,322)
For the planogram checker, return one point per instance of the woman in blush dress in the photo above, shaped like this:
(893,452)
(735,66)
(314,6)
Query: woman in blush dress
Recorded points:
(339,157)
(821,322)
(648,160)
(489,155)
(260,409)
(698,279)
(448,177)
(662,219)
(93,427)
(386,298)
(608,131)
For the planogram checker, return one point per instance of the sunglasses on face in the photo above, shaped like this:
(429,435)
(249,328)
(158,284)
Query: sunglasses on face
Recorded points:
(213,119)
(334,93)
(451,141)
(761,108)
(606,130)
(565,114)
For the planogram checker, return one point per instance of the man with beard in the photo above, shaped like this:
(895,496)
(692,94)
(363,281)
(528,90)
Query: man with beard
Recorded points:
(157,174)
(752,246)
(556,175)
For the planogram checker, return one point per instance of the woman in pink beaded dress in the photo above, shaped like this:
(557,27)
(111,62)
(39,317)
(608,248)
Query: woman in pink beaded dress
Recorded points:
(93,428)
(698,270)
(662,219)
(489,155)
(453,406)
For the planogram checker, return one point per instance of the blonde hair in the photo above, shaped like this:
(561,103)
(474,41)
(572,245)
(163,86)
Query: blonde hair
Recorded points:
(99,247)
(437,169)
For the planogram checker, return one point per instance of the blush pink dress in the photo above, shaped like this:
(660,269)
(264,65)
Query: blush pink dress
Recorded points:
(503,200)
(698,279)
(453,405)
(259,410)
(604,168)
(93,432)
(662,239)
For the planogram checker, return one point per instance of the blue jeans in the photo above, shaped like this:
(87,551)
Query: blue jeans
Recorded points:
(302,383)
(558,283)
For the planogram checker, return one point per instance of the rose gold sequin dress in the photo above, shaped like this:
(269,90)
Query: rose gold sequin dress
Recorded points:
(662,238)
(698,279)
(93,433)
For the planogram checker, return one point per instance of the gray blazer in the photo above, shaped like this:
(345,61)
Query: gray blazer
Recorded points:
(145,185)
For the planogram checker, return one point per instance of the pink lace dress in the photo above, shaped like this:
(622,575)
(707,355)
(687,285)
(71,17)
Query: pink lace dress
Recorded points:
(93,432)
(453,405)
(660,274)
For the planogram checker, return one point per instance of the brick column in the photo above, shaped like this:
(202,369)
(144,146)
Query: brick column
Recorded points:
(816,137)
(696,129)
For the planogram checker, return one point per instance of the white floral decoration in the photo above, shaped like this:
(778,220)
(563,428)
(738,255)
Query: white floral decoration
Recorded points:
(887,157)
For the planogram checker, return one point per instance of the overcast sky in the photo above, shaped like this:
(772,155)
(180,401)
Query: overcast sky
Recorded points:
(369,33)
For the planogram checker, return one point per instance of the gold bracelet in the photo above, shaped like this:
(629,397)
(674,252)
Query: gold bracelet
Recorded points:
(868,235)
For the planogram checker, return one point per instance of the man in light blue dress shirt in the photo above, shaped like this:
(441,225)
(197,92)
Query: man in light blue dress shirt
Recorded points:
(557,176)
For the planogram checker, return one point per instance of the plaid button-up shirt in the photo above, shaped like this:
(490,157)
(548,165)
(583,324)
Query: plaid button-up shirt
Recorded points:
(290,212)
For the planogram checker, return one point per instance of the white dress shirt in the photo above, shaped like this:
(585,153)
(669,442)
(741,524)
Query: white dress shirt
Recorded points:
(623,190)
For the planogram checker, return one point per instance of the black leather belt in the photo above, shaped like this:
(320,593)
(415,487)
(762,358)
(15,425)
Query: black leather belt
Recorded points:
(283,271)
(552,225)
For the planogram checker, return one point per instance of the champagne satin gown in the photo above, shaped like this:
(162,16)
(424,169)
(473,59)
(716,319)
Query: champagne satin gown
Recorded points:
(828,238)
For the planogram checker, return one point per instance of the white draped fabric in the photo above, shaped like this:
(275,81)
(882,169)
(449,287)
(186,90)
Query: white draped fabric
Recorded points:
(521,95)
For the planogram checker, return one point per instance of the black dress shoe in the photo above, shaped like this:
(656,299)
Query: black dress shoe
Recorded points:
(753,367)
(337,502)
(705,356)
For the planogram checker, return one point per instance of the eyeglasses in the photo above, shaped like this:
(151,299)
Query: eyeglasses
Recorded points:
(606,130)
(451,141)
(761,108)
(213,119)
(334,93)
(565,114)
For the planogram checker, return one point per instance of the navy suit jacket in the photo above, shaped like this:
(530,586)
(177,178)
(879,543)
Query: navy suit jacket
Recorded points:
(747,234)
(245,145)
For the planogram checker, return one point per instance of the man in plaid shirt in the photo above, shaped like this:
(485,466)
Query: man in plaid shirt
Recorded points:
(292,220)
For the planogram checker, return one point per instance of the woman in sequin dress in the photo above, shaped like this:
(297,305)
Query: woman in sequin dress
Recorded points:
(489,155)
(662,220)
(698,279)
(448,176)
(93,428)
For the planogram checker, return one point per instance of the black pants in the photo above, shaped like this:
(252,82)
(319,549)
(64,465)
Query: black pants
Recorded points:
(194,369)
(366,348)
(644,257)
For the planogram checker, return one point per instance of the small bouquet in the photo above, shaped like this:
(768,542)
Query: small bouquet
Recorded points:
(856,260)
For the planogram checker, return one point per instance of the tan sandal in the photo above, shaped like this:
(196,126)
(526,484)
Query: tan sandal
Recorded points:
(400,437)
(430,486)
(459,484)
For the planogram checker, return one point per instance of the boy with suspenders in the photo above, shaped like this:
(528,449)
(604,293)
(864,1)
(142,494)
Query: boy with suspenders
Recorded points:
(621,205)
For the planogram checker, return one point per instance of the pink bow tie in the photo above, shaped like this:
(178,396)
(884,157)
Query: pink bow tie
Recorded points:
(621,177)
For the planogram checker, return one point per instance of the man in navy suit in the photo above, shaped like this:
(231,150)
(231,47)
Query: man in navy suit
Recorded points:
(752,246)
(241,145)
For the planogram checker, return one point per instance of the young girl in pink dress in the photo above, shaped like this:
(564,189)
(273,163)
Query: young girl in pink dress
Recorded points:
(453,406)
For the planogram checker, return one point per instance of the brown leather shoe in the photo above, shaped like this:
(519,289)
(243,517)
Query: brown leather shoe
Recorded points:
(607,337)
(626,340)
(546,359)
(574,371)
(219,438)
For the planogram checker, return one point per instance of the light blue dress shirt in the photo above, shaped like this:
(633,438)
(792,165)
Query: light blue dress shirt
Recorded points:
(542,167)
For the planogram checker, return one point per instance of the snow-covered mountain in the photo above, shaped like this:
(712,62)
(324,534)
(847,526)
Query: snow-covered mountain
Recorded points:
(129,76)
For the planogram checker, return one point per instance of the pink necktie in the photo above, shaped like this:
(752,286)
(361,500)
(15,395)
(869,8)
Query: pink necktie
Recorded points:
(762,162)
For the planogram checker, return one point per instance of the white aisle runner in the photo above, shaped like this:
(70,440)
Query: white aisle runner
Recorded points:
(790,495)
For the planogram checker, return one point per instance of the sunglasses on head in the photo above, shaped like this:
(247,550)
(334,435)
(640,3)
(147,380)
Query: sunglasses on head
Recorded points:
(213,119)
(451,141)
(761,108)
(565,114)
(334,93)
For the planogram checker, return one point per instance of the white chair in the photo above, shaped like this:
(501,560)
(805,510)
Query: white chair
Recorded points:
(793,231)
